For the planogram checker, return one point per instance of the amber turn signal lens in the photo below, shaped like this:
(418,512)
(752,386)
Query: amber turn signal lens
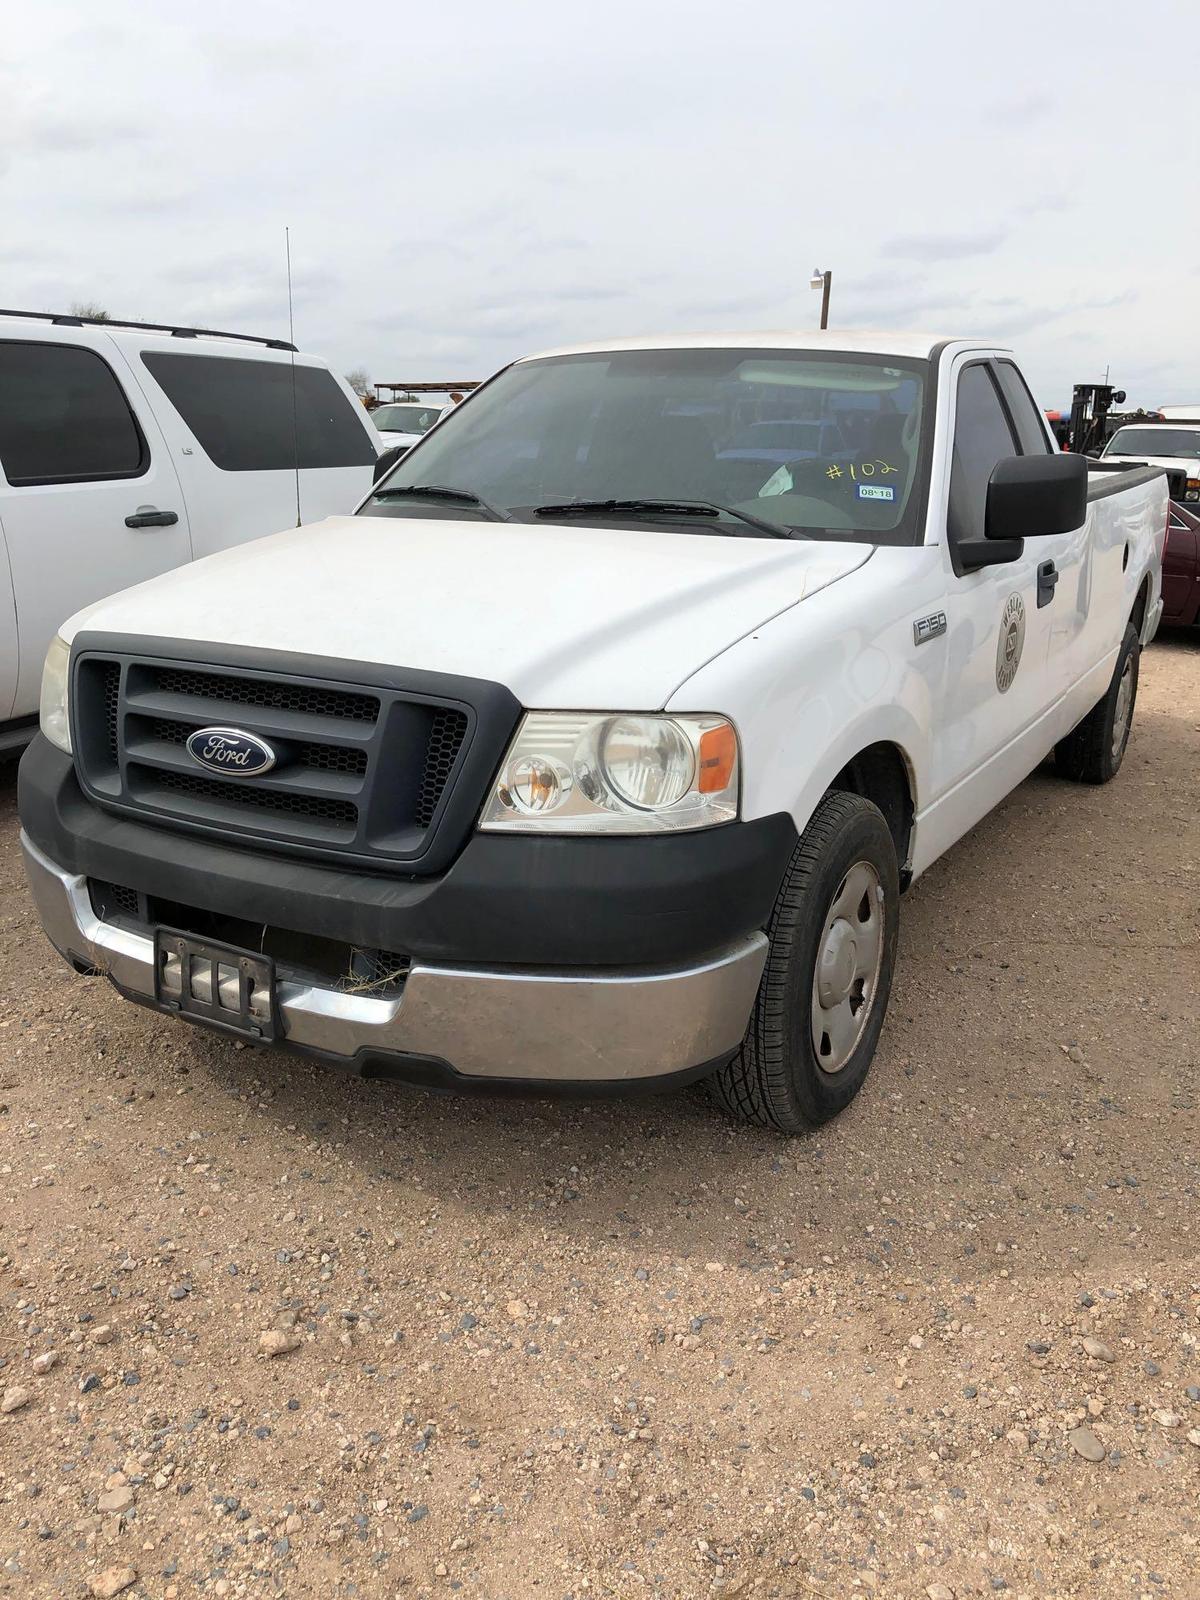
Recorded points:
(718,757)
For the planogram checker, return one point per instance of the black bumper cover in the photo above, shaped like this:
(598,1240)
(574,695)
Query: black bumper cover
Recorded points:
(512,900)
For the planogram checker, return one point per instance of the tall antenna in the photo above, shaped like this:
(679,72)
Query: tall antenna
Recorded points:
(287,244)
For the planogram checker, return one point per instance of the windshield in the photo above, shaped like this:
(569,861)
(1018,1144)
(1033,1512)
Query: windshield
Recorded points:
(405,419)
(815,444)
(1154,442)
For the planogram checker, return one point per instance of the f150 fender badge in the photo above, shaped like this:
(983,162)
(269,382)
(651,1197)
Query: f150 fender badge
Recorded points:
(229,750)
(930,627)
(1010,642)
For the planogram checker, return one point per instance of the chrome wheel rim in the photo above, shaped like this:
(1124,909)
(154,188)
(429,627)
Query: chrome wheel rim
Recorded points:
(846,974)
(1123,709)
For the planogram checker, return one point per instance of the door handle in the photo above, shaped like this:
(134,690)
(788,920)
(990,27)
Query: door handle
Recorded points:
(151,517)
(1047,577)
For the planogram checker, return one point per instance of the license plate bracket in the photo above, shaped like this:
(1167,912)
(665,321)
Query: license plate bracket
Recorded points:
(229,989)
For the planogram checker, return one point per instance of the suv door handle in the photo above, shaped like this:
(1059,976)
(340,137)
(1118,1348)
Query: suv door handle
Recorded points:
(151,517)
(1047,576)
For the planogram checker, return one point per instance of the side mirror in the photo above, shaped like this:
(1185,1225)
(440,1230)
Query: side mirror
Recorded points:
(1031,497)
(387,460)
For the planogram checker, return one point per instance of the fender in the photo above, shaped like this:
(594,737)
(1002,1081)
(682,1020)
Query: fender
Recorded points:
(815,687)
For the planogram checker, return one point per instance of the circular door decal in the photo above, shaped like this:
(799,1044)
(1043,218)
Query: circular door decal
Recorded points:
(1011,641)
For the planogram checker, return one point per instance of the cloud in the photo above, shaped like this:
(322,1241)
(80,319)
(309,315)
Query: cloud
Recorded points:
(1010,325)
(1040,205)
(944,246)
(51,130)
(892,303)
(1123,297)
(738,305)
(1033,105)
(253,55)
(588,292)
(884,278)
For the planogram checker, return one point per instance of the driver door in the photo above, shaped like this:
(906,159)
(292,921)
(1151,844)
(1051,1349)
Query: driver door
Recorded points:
(998,684)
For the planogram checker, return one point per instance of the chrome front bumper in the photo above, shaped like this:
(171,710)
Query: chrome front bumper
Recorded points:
(555,1027)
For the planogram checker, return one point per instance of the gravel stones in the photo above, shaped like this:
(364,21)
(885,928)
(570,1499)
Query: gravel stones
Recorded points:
(1168,1419)
(278,1342)
(1098,1350)
(1085,1443)
(112,1581)
(114,1501)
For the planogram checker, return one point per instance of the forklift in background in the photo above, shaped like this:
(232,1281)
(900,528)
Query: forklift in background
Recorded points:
(1088,429)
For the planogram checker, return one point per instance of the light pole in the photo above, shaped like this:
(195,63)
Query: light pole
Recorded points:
(822,280)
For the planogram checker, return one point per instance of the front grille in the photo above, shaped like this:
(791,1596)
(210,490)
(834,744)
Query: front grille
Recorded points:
(109,899)
(235,792)
(318,757)
(445,741)
(330,758)
(306,699)
(374,971)
(370,772)
(111,680)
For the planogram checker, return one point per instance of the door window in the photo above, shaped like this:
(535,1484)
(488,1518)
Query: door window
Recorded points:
(1026,418)
(982,436)
(64,417)
(247,417)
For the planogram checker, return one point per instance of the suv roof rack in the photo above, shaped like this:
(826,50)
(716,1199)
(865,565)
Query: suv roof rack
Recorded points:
(65,319)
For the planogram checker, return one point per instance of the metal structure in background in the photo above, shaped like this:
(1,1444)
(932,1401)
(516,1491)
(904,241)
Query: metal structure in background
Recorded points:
(403,390)
(824,282)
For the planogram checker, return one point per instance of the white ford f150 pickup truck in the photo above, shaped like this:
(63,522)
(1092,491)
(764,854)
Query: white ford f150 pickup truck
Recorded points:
(598,746)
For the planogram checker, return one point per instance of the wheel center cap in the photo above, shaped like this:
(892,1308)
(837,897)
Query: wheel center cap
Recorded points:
(839,959)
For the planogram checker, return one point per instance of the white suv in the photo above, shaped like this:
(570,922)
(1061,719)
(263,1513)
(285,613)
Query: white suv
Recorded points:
(128,449)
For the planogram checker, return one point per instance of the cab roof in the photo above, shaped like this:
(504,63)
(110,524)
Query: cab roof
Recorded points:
(854,341)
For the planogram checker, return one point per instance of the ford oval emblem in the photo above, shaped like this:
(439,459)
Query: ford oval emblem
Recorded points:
(242,755)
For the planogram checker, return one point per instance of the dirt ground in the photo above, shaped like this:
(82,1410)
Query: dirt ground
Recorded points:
(631,1350)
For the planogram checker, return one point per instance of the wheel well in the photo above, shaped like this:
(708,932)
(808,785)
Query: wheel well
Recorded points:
(880,774)
(1138,615)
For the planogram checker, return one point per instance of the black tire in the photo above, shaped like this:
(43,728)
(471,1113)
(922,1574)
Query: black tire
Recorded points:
(1093,752)
(776,1079)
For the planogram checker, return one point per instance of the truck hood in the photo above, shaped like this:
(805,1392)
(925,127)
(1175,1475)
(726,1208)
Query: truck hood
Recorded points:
(1189,464)
(568,616)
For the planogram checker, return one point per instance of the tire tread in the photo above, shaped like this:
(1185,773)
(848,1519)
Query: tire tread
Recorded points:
(758,1085)
(1085,755)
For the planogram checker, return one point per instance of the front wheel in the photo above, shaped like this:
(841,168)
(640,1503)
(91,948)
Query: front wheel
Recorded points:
(825,987)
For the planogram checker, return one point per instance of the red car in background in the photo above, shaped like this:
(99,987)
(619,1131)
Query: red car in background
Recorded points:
(1181,567)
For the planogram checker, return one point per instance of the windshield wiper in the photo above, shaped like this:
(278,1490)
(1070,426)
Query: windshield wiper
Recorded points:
(439,491)
(673,508)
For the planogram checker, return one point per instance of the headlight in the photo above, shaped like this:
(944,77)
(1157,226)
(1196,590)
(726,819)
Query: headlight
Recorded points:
(52,708)
(590,772)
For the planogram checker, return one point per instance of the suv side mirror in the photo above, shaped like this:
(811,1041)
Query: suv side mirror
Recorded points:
(1031,497)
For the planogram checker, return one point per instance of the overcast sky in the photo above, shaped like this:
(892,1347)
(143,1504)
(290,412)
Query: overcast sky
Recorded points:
(470,180)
